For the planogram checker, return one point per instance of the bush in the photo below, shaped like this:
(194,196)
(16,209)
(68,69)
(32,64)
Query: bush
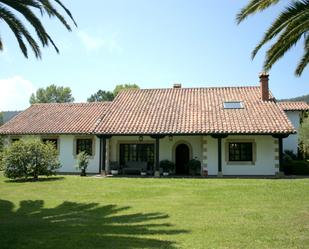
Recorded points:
(82,162)
(167,166)
(296,167)
(194,166)
(30,158)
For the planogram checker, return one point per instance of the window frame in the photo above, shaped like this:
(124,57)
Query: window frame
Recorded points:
(137,143)
(84,138)
(240,141)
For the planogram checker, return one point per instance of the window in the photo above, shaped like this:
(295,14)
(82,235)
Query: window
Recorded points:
(240,152)
(137,152)
(84,144)
(51,140)
(15,139)
(233,105)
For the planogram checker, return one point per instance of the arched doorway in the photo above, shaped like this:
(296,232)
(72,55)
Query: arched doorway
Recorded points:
(182,156)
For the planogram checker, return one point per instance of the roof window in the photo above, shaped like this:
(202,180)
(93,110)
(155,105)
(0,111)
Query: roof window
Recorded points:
(233,105)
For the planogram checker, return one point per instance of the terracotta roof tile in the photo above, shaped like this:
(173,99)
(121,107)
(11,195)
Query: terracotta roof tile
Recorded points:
(293,106)
(193,111)
(66,118)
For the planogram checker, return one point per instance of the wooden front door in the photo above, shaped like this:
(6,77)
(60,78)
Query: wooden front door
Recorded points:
(182,158)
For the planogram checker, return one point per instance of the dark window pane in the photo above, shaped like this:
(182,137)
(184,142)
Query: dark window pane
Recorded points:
(84,145)
(137,152)
(240,152)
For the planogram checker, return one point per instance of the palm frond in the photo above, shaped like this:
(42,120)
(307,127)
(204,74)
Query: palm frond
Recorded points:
(253,7)
(289,37)
(19,31)
(26,8)
(304,60)
(292,14)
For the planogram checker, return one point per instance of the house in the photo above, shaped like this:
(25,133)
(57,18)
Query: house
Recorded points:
(295,112)
(231,130)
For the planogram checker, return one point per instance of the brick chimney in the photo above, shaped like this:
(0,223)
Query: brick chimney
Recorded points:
(264,86)
(177,85)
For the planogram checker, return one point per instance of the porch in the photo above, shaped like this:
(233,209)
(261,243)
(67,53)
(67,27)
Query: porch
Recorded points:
(133,154)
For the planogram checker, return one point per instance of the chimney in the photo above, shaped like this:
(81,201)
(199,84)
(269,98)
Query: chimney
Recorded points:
(264,86)
(177,85)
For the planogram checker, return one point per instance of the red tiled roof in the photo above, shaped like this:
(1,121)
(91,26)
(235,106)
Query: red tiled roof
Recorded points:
(293,106)
(193,111)
(66,118)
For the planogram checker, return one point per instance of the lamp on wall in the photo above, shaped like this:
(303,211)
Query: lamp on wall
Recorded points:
(140,138)
(170,138)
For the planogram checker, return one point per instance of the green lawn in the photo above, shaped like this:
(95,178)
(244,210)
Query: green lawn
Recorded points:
(74,212)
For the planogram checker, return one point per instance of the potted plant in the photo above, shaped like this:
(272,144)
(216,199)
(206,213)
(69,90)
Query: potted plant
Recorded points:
(167,167)
(114,166)
(82,162)
(194,166)
(143,172)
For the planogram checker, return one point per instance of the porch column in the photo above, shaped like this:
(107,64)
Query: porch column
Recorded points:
(102,156)
(157,156)
(280,150)
(219,138)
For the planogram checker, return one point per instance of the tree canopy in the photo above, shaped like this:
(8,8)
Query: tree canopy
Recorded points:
(109,96)
(11,12)
(121,87)
(289,28)
(304,135)
(101,96)
(52,94)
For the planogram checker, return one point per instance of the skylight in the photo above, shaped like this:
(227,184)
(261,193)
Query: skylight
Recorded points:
(233,105)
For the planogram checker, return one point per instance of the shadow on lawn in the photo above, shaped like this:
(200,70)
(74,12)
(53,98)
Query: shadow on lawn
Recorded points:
(40,179)
(79,225)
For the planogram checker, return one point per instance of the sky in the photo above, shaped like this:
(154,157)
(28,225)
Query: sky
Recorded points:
(152,43)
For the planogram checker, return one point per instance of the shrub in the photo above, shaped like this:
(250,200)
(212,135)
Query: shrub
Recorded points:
(167,166)
(296,167)
(82,162)
(194,166)
(30,158)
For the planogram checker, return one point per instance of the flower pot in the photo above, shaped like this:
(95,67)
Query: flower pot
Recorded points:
(165,173)
(114,172)
(143,173)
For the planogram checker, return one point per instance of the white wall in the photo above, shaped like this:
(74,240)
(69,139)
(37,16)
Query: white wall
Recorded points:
(265,164)
(291,142)
(266,160)
(68,160)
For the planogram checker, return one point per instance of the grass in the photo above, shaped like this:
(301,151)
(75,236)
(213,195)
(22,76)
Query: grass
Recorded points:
(74,212)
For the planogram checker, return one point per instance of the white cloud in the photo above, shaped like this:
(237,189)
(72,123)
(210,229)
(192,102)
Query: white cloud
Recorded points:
(94,43)
(15,93)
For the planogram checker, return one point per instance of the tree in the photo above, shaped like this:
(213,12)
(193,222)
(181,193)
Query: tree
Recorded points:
(30,158)
(121,87)
(26,9)
(289,28)
(52,94)
(82,162)
(109,96)
(304,135)
(101,96)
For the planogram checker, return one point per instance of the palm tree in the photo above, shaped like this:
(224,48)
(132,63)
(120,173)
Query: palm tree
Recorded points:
(26,9)
(289,28)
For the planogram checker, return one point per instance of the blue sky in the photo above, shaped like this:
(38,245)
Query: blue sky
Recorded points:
(151,43)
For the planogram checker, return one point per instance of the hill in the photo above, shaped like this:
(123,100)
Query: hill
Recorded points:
(300,98)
